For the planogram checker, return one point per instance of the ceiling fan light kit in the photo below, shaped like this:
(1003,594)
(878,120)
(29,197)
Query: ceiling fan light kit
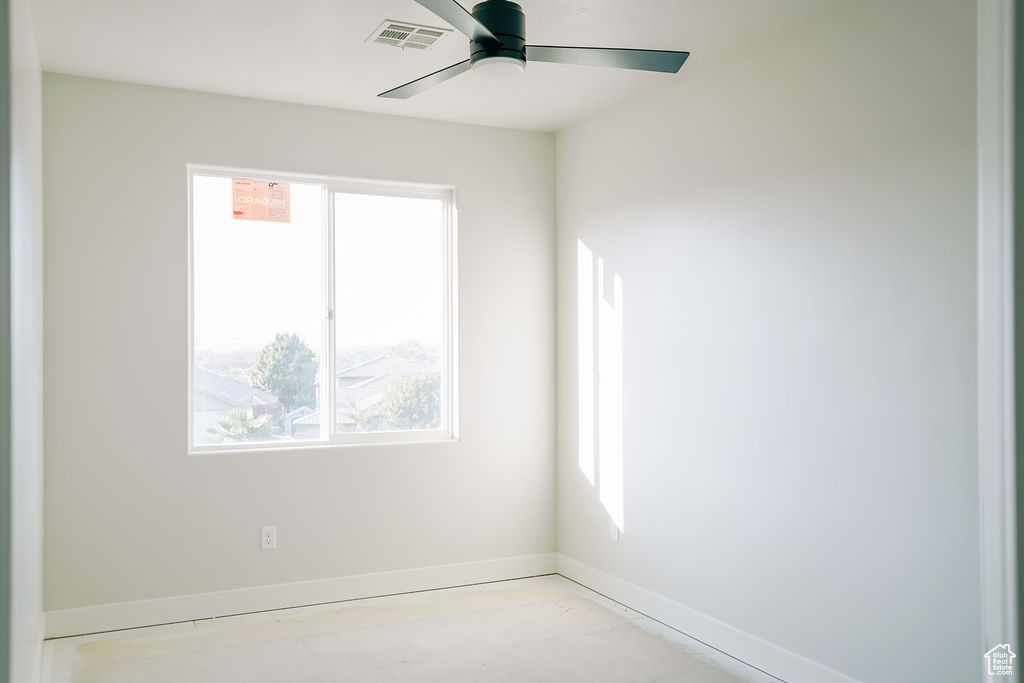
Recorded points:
(497,47)
(506,55)
(498,67)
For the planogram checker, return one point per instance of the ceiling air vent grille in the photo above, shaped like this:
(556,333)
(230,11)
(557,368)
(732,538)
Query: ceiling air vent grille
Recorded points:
(405,34)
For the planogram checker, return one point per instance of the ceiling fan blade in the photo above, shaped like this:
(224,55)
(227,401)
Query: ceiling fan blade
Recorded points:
(429,81)
(664,61)
(459,17)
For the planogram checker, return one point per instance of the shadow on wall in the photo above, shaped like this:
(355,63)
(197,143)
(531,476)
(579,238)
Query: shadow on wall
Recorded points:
(599,325)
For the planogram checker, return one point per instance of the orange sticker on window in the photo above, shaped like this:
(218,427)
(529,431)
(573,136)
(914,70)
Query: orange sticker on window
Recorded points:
(259,200)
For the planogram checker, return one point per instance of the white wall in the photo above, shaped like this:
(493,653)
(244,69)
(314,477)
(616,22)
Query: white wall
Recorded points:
(26,349)
(129,515)
(793,227)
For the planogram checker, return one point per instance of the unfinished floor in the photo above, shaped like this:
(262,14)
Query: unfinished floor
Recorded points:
(545,628)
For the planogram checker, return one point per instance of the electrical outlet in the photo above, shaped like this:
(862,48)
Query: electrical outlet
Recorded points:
(613,532)
(268,537)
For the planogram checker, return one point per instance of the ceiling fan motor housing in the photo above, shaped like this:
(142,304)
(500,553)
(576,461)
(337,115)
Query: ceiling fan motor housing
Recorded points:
(508,24)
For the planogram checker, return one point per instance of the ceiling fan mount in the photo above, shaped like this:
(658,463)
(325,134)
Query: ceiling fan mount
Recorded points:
(507,23)
(497,45)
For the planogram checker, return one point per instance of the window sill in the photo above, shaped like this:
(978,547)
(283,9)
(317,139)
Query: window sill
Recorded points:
(387,439)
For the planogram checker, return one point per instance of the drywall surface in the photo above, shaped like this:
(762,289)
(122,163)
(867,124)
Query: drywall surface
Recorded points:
(1018,293)
(783,255)
(26,262)
(6,168)
(129,515)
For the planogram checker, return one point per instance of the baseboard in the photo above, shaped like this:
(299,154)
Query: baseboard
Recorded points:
(777,661)
(772,659)
(121,615)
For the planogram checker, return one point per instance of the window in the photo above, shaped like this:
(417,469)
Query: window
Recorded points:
(321,311)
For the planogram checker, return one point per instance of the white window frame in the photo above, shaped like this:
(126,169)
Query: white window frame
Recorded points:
(329,436)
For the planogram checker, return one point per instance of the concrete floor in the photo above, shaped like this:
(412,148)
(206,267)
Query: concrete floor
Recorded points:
(533,630)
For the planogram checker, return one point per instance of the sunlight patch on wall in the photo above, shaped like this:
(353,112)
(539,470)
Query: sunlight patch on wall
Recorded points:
(600,380)
(585,356)
(609,364)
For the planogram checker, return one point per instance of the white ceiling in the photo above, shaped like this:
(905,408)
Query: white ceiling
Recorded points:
(315,51)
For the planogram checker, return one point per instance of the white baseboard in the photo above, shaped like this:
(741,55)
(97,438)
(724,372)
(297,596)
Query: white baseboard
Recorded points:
(781,663)
(114,616)
(761,654)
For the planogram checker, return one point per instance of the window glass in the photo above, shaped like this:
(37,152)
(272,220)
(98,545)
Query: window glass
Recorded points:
(388,312)
(258,311)
(320,313)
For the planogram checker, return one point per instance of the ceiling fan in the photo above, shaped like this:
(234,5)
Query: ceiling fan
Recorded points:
(497,44)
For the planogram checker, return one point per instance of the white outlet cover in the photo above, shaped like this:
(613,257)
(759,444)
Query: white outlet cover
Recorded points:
(268,537)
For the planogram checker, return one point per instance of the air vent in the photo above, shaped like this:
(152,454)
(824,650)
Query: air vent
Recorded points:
(405,34)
